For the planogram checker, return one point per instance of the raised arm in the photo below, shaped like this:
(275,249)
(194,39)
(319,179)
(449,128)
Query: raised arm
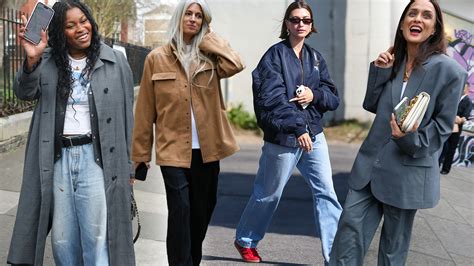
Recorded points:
(379,73)
(228,61)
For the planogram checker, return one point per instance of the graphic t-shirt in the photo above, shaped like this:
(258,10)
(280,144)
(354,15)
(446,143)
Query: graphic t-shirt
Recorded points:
(77,120)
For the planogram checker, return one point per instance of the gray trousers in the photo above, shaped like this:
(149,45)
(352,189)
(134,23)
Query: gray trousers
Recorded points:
(359,220)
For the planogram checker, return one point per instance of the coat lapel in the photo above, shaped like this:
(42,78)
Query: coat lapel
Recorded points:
(397,84)
(414,82)
(413,85)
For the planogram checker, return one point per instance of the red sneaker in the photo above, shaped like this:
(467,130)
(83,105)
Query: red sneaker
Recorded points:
(248,254)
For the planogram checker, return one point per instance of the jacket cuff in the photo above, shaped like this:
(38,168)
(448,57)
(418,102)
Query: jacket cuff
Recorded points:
(300,131)
(28,79)
(379,75)
(407,142)
(33,68)
(132,171)
(317,96)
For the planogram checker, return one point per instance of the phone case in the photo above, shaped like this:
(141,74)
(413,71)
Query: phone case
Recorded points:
(300,90)
(39,20)
(141,171)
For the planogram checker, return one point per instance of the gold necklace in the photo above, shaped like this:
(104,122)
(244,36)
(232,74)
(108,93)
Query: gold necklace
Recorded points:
(407,74)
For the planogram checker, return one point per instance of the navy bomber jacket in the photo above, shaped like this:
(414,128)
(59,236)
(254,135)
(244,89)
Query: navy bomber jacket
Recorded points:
(274,83)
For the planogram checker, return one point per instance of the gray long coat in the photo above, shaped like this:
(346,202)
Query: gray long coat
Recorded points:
(404,172)
(35,208)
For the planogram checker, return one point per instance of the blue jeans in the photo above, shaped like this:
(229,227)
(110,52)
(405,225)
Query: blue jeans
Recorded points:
(275,168)
(79,232)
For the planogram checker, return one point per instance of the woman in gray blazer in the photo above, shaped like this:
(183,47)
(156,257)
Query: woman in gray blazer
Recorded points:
(76,178)
(396,173)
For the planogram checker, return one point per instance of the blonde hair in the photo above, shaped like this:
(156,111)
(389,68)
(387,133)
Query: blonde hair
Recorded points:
(175,33)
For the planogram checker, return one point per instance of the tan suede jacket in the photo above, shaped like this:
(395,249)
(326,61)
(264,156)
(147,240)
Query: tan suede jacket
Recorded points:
(164,104)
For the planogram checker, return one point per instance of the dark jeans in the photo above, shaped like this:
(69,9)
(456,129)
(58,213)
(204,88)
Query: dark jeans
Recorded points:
(449,149)
(191,194)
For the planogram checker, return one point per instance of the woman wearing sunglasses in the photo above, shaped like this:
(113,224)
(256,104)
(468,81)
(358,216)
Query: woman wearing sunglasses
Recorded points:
(292,90)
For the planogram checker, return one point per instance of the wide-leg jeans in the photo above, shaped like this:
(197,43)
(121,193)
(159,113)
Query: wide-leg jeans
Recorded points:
(275,168)
(79,231)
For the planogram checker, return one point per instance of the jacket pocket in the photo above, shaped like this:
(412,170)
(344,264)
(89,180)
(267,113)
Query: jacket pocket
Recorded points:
(164,76)
(422,162)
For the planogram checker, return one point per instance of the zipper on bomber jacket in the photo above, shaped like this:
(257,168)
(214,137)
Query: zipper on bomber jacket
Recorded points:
(308,127)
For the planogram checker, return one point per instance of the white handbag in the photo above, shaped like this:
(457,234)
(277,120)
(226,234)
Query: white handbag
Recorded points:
(409,113)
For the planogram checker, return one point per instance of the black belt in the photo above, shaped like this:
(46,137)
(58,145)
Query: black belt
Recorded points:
(75,140)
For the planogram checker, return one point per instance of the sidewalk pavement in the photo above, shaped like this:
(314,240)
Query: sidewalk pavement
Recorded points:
(442,236)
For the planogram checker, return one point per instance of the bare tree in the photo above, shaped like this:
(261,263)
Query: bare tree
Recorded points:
(109,13)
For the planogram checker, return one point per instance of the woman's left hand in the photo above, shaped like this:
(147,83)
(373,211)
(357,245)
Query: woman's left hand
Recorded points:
(306,97)
(396,131)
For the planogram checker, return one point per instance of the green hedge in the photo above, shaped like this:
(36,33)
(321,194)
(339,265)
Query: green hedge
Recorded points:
(241,118)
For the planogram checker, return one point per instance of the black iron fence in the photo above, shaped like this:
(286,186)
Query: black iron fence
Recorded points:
(12,56)
(135,55)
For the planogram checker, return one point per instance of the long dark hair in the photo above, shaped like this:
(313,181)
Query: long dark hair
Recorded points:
(59,47)
(295,5)
(435,44)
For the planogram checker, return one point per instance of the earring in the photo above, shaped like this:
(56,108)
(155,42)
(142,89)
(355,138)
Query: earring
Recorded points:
(287,32)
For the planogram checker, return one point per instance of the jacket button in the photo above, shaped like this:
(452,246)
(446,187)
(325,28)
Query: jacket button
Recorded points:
(112,149)
(114,177)
(108,120)
(106,90)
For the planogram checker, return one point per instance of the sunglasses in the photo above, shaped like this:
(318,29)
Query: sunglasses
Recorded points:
(297,20)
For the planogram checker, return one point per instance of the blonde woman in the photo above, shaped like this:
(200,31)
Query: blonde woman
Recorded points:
(181,101)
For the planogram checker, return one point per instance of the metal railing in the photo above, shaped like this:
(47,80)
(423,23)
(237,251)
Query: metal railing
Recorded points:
(11,58)
(135,56)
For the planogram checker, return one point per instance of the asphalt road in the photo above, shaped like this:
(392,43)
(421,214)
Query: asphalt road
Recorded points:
(441,236)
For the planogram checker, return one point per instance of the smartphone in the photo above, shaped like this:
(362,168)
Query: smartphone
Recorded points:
(39,20)
(300,90)
(141,171)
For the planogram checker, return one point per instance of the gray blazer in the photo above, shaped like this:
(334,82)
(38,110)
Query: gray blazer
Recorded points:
(404,172)
(112,86)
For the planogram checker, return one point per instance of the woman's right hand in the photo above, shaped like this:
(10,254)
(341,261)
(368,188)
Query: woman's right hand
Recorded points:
(385,59)
(305,142)
(33,52)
